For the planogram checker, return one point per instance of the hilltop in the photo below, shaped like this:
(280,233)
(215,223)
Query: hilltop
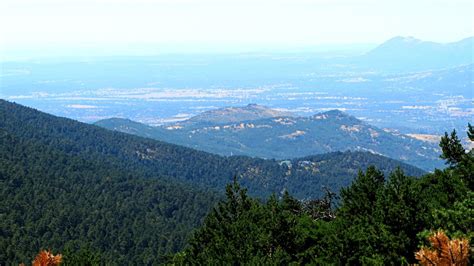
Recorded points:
(284,137)
(249,112)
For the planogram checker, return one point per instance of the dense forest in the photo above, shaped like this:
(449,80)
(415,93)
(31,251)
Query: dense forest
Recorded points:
(72,203)
(380,220)
(159,159)
(96,195)
(74,187)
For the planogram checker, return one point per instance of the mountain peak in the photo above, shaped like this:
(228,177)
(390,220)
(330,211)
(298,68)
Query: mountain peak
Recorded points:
(397,43)
(403,39)
(410,54)
(335,113)
(249,112)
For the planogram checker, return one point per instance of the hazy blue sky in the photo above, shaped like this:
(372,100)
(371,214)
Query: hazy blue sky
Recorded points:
(99,23)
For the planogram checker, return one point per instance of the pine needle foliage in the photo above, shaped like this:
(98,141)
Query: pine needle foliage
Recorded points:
(46,258)
(444,251)
(453,151)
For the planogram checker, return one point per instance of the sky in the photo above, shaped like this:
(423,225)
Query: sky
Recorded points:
(124,24)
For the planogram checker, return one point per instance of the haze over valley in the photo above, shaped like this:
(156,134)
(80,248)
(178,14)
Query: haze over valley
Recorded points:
(428,98)
(236,132)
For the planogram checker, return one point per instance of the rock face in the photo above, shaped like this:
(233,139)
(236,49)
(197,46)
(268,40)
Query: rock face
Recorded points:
(259,131)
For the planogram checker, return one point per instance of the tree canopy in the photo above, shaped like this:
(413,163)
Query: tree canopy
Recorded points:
(379,220)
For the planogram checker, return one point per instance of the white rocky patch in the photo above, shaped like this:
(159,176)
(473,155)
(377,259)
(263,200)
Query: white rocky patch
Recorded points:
(355,128)
(284,121)
(319,117)
(373,133)
(293,135)
(175,127)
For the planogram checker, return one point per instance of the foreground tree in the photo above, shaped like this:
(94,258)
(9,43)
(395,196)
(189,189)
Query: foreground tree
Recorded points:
(444,251)
(231,232)
(453,151)
(46,258)
(456,156)
(248,231)
(470,132)
(379,221)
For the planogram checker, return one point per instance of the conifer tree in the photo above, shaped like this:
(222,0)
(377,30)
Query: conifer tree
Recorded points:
(359,198)
(470,132)
(453,151)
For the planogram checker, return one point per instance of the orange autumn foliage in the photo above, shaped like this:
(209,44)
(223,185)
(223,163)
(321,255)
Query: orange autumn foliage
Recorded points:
(46,258)
(444,251)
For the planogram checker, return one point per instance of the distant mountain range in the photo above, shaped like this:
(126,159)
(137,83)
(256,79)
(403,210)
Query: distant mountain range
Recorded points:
(411,54)
(259,131)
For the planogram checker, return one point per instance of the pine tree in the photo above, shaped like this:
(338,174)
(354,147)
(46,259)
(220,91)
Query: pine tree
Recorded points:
(453,151)
(470,132)
(444,251)
(359,198)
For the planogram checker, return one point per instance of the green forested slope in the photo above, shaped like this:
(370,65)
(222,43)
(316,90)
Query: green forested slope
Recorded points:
(380,220)
(52,199)
(66,185)
(285,137)
(154,158)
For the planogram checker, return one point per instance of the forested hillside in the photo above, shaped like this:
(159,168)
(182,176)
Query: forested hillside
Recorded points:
(53,199)
(71,187)
(381,220)
(283,136)
(304,178)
